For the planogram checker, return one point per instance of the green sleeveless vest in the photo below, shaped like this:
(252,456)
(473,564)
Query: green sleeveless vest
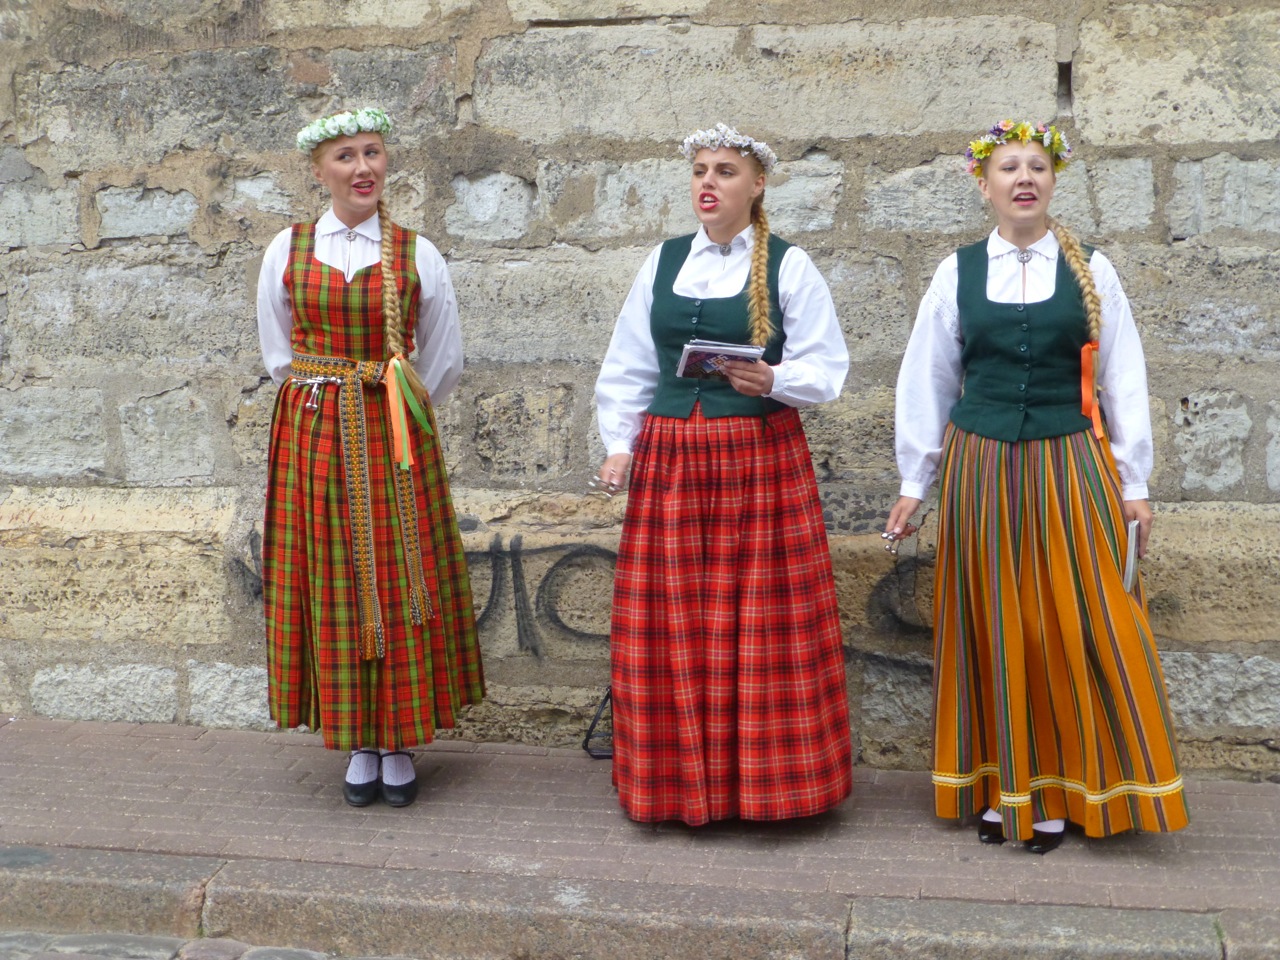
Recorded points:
(1021,361)
(675,320)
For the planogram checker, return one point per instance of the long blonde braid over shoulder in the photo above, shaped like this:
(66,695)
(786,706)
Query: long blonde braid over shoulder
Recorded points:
(1079,265)
(392,316)
(759,310)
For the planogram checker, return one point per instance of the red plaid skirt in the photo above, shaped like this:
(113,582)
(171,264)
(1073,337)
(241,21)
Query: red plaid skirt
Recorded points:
(728,672)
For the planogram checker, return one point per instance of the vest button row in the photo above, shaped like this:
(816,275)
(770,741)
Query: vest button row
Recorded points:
(697,390)
(1021,308)
(1022,388)
(1021,406)
(1025,327)
(697,303)
(1022,348)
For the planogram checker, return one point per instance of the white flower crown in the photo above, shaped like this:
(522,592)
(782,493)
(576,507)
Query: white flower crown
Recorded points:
(725,136)
(345,124)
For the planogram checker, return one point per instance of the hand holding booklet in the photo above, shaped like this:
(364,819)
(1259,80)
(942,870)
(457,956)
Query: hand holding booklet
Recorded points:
(1131,558)
(705,359)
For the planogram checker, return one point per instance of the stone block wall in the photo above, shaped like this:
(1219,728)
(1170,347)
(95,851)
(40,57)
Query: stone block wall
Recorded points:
(146,161)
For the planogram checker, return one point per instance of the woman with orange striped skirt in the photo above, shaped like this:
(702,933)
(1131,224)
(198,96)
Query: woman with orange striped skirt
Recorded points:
(1049,702)
(371,638)
(728,670)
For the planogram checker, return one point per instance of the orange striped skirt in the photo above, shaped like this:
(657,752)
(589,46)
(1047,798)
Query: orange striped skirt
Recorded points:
(1049,700)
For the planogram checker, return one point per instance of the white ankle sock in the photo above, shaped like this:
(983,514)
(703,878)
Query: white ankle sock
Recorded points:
(1050,826)
(397,769)
(991,816)
(362,768)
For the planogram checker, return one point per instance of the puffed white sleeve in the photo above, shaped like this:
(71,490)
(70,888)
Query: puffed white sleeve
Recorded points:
(438,333)
(815,359)
(929,383)
(275,315)
(629,374)
(1122,383)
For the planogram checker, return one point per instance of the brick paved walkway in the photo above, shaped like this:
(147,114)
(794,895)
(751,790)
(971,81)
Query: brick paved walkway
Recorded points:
(511,811)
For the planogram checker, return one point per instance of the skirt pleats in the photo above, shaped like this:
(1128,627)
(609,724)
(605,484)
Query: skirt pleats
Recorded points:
(728,672)
(1049,700)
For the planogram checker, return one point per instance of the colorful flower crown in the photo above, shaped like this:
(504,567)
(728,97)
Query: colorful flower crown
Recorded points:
(345,124)
(1050,137)
(723,136)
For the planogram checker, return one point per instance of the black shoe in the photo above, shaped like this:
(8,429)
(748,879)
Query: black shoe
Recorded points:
(989,831)
(401,794)
(361,794)
(1042,841)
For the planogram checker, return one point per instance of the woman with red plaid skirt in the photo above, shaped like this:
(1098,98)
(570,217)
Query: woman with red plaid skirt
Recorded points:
(371,637)
(727,665)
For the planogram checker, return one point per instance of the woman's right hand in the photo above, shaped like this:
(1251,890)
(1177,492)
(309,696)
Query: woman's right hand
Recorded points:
(897,526)
(612,476)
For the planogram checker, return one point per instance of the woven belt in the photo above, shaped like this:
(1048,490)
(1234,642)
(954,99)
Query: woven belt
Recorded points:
(352,377)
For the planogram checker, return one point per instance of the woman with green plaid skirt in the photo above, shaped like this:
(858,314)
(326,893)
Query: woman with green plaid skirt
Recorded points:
(371,638)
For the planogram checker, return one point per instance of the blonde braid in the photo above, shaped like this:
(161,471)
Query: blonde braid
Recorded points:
(1072,250)
(759,308)
(392,317)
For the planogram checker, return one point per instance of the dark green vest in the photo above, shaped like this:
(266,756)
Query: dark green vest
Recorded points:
(1021,361)
(675,320)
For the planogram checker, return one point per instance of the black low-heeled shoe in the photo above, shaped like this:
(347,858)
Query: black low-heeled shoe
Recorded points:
(1042,841)
(400,794)
(989,831)
(361,794)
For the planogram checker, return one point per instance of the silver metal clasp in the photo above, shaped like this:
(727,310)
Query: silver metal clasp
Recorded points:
(315,383)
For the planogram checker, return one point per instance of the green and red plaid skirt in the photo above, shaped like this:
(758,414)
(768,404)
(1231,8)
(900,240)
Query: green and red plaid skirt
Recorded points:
(321,675)
(728,670)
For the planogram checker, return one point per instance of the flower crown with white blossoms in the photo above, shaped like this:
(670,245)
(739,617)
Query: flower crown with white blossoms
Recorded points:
(345,124)
(1047,135)
(725,136)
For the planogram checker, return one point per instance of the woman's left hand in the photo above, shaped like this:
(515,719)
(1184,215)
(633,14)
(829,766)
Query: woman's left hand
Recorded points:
(1140,510)
(755,379)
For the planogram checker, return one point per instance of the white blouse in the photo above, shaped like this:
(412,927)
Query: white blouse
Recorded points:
(814,362)
(930,378)
(437,335)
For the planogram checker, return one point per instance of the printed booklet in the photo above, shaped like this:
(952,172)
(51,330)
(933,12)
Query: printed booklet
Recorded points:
(1131,558)
(705,359)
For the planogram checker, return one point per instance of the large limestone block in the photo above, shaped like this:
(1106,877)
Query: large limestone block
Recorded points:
(493,206)
(1211,572)
(167,438)
(1273,446)
(1226,192)
(133,693)
(847,79)
(1195,299)
(937,197)
(103,566)
(133,212)
(1211,435)
(336,14)
(1223,691)
(52,432)
(225,695)
(144,109)
(524,434)
(577,10)
(594,202)
(136,305)
(1176,73)
(804,195)
(875,314)
(560,305)
(32,214)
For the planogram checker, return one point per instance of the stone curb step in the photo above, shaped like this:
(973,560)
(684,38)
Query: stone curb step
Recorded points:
(361,912)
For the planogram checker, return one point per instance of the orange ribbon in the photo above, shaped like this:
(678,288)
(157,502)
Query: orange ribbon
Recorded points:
(399,396)
(1089,386)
